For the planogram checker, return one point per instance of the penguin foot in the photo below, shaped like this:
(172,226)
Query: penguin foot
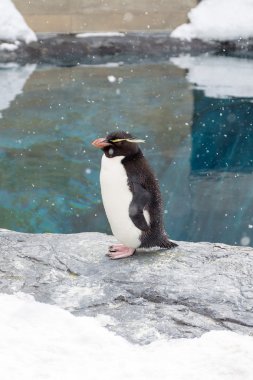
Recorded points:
(119,251)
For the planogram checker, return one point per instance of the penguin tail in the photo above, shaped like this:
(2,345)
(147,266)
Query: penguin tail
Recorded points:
(166,243)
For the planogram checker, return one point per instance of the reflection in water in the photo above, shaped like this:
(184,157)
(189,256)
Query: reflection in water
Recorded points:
(12,81)
(220,174)
(50,173)
(217,176)
(222,134)
(218,76)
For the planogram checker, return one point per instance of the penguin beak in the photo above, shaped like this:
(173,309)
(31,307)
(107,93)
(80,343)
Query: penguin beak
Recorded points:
(100,143)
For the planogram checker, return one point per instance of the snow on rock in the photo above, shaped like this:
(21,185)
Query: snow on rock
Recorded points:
(100,34)
(12,25)
(9,47)
(218,20)
(12,80)
(218,77)
(40,341)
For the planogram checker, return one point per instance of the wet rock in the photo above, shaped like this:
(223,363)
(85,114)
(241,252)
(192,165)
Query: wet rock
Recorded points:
(70,50)
(180,293)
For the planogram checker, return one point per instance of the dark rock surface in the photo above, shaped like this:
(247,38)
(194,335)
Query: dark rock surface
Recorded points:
(181,293)
(69,50)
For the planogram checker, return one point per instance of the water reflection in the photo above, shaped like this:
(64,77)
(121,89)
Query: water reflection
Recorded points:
(199,145)
(12,80)
(49,171)
(219,177)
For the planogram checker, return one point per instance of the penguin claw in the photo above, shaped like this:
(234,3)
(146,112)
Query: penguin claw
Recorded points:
(109,252)
(116,246)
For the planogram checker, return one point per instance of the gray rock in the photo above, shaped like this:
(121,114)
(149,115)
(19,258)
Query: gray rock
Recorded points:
(181,293)
(69,50)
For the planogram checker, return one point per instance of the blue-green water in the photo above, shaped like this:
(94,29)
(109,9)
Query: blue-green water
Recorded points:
(200,146)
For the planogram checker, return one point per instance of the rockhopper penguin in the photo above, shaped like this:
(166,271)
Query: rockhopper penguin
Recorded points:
(131,196)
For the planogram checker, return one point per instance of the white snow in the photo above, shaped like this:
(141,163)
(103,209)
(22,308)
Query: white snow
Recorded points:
(40,341)
(102,65)
(12,80)
(9,47)
(12,24)
(218,20)
(100,34)
(218,77)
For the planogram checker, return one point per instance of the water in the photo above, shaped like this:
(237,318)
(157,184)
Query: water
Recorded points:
(198,130)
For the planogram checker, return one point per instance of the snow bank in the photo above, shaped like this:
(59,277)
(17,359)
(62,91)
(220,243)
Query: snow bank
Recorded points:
(40,341)
(12,80)
(219,77)
(12,25)
(218,20)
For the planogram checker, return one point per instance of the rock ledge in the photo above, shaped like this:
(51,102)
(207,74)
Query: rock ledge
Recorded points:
(181,293)
(71,50)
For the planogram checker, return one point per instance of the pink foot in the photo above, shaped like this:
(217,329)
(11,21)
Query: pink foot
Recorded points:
(119,251)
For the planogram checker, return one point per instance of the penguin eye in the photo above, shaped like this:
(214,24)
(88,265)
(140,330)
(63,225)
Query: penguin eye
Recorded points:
(111,151)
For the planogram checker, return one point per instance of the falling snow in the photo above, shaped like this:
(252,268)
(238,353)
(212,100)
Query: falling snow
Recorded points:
(111,78)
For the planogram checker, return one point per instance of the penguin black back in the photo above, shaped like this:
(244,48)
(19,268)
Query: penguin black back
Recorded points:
(139,172)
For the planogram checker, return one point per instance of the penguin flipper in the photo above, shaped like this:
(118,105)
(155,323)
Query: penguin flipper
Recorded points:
(140,199)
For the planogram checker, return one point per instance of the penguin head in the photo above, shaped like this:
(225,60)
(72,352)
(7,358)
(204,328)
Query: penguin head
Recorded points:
(118,143)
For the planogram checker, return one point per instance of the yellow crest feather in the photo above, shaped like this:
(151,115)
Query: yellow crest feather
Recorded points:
(129,140)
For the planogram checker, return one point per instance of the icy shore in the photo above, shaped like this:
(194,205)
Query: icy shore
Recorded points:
(214,28)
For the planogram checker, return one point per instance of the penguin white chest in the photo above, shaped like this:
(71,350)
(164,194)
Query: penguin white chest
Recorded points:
(117,197)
